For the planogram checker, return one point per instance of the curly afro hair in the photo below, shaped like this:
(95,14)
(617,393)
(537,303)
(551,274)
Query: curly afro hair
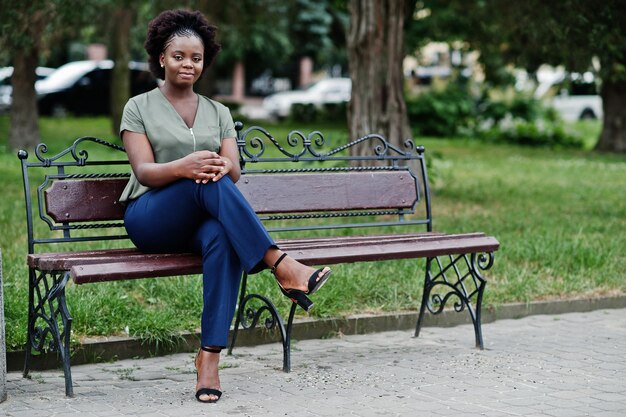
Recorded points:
(171,23)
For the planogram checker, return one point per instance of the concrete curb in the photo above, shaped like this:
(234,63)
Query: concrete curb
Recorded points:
(105,349)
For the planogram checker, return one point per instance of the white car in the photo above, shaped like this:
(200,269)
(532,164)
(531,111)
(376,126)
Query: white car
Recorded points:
(330,90)
(573,107)
(84,87)
(6,89)
(573,95)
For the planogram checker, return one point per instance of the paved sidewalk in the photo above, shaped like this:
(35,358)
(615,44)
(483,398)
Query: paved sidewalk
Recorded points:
(565,365)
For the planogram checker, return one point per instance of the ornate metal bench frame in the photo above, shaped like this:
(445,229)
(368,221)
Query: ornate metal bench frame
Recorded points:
(457,277)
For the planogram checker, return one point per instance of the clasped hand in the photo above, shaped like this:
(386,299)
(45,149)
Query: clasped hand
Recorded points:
(205,166)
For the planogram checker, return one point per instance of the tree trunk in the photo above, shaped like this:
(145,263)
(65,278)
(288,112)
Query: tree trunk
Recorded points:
(120,76)
(376,51)
(239,82)
(24,130)
(613,136)
(306,71)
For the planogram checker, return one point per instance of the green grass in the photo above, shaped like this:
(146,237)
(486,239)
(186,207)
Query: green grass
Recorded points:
(560,216)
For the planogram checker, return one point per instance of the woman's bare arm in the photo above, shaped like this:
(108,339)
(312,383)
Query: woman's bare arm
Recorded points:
(199,166)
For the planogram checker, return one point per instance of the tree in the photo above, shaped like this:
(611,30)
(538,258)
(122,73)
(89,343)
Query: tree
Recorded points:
(27,28)
(375,53)
(23,24)
(527,34)
(123,15)
(309,32)
(248,28)
(573,32)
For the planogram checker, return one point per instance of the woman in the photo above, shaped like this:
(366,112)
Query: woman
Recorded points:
(182,195)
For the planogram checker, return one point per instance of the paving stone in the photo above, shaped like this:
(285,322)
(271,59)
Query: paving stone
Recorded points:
(539,365)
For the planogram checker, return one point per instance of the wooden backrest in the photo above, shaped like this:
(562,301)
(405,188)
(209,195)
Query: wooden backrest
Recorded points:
(306,188)
(85,200)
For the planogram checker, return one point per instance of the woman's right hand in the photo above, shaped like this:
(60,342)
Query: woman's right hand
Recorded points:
(202,166)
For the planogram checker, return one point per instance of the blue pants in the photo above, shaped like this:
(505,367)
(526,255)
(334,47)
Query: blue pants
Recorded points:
(213,220)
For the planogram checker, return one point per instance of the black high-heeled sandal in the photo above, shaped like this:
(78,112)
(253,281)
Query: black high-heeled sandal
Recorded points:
(206,391)
(298,296)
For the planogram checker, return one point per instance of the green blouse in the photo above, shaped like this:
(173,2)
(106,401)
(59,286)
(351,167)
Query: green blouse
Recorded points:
(153,115)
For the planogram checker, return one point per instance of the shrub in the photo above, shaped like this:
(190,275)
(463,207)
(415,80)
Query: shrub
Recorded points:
(335,112)
(523,120)
(330,112)
(541,132)
(303,112)
(449,112)
(522,107)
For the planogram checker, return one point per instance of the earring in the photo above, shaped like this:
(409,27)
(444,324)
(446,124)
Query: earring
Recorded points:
(162,65)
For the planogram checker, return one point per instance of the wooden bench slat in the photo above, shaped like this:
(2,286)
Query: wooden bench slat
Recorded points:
(394,250)
(184,264)
(65,264)
(296,193)
(63,261)
(341,241)
(353,238)
(322,251)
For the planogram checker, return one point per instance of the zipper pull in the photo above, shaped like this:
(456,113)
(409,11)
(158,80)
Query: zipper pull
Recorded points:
(194,138)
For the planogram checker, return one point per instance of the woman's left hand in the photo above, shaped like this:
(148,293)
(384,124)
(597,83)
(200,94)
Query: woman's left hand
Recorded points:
(225,169)
(229,156)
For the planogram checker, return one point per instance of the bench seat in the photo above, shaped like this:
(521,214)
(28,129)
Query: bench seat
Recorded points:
(121,264)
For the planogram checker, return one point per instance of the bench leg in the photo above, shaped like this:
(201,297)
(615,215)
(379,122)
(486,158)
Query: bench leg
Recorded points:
(31,322)
(456,276)
(249,313)
(287,345)
(238,313)
(425,295)
(49,320)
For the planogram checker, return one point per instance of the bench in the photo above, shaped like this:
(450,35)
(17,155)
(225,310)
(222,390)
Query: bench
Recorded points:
(326,206)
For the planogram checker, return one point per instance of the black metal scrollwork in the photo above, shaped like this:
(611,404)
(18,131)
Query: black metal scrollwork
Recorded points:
(481,262)
(459,277)
(50,318)
(79,155)
(250,140)
(251,316)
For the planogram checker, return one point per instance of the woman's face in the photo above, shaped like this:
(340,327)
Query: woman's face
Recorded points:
(183,60)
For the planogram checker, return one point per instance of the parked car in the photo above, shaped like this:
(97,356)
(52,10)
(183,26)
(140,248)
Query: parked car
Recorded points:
(330,90)
(573,95)
(6,89)
(577,104)
(266,84)
(84,87)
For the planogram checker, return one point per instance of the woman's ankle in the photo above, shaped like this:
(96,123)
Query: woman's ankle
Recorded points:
(271,256)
